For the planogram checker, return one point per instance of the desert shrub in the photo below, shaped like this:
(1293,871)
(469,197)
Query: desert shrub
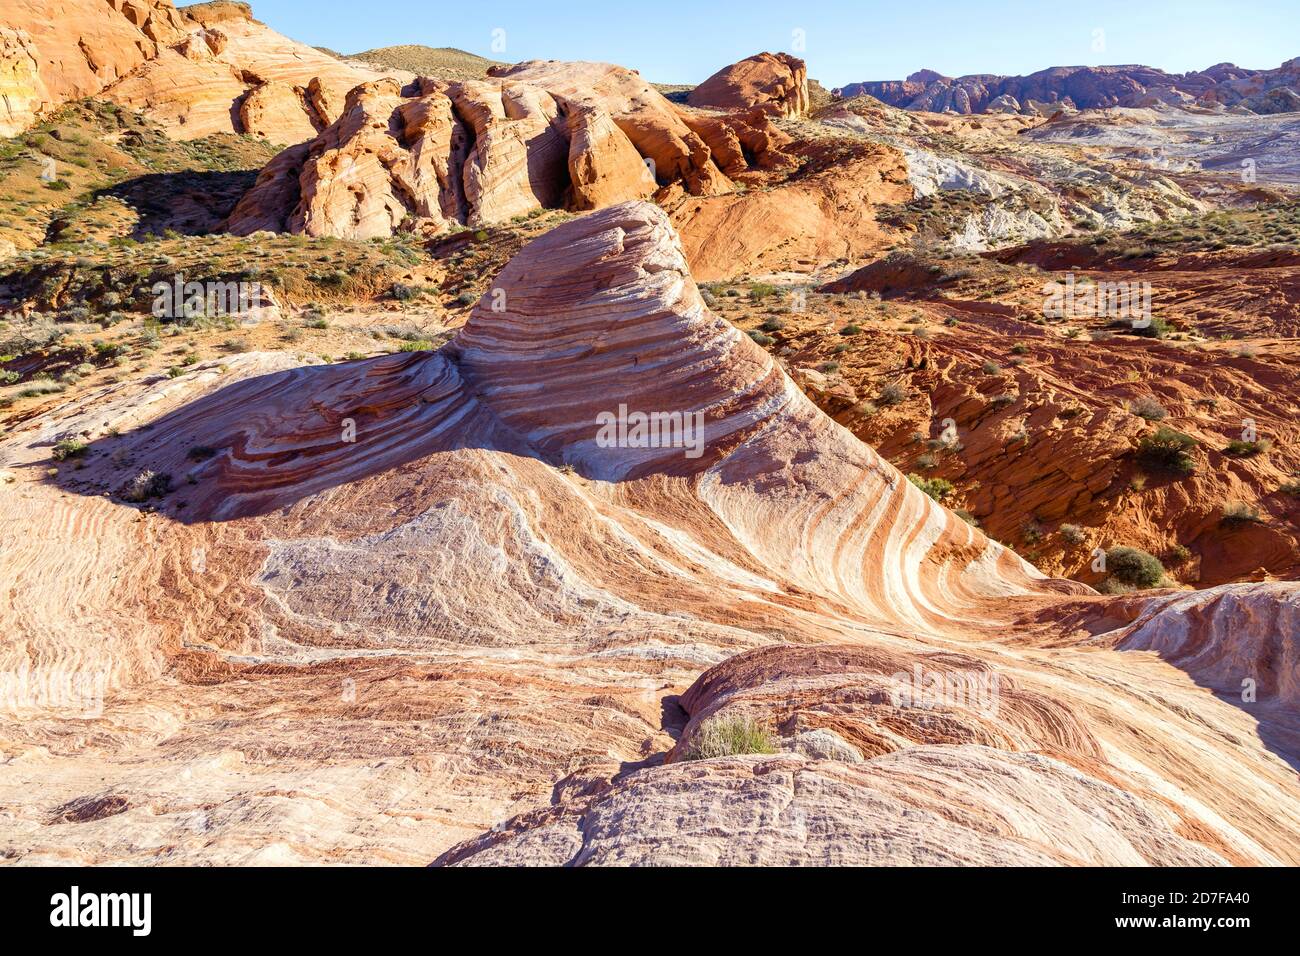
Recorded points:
(1072,534)
(1148,408)
(1290,488)
(991,368)
(936,488)
(402,292)
(146,485)
(761,338)
(851,329)
(1167,450)
(721,736)
(773,325)
(1115,586)
(967,517)
(37,389)
(1178,554)
(467,298)
(69,448)
(1239,512)
(1135,567)
(1156,328)
(1020,349)
(318,323)
(418,345)
(760,291)
(1247,449)
(926,462)
(9,378)
(891,394)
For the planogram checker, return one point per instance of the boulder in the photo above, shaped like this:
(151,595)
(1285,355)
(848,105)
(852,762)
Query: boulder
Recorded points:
(774,82)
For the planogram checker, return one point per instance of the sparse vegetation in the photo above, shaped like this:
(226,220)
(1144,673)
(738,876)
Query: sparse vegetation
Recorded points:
(146,485)
(1135,567)
(1167,450)
(69,448)
(936,488)
(1246,449)
(1072,534)
(730,736)
(1148,408)
(1236,513)
(891,394)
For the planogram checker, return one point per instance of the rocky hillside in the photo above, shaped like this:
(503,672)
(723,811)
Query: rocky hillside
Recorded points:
(443,63)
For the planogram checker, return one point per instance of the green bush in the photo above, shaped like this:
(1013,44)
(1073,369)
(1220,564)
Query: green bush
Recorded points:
(69,448)
(1239,512)
(721,736)
(936,488)
(1135,567)
(1072,534)
(1247,449)
(1167,450)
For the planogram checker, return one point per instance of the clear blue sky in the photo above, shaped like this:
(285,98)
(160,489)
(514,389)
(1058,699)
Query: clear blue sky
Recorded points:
(845,41)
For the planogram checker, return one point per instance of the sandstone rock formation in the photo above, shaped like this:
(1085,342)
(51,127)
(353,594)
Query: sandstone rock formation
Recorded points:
(203,69)
(538,135)
(231,73)
(433,606)
(1087,87)
(22,91)
(48,58)
(775,82)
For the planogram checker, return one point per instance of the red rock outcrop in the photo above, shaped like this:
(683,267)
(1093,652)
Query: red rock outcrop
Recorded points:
(48,57)
(536,136)
(231,73)
(209,68)
(22,91)
(776,83)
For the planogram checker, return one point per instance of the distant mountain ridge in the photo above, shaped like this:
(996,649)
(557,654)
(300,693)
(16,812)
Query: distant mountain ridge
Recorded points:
(1091,87)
